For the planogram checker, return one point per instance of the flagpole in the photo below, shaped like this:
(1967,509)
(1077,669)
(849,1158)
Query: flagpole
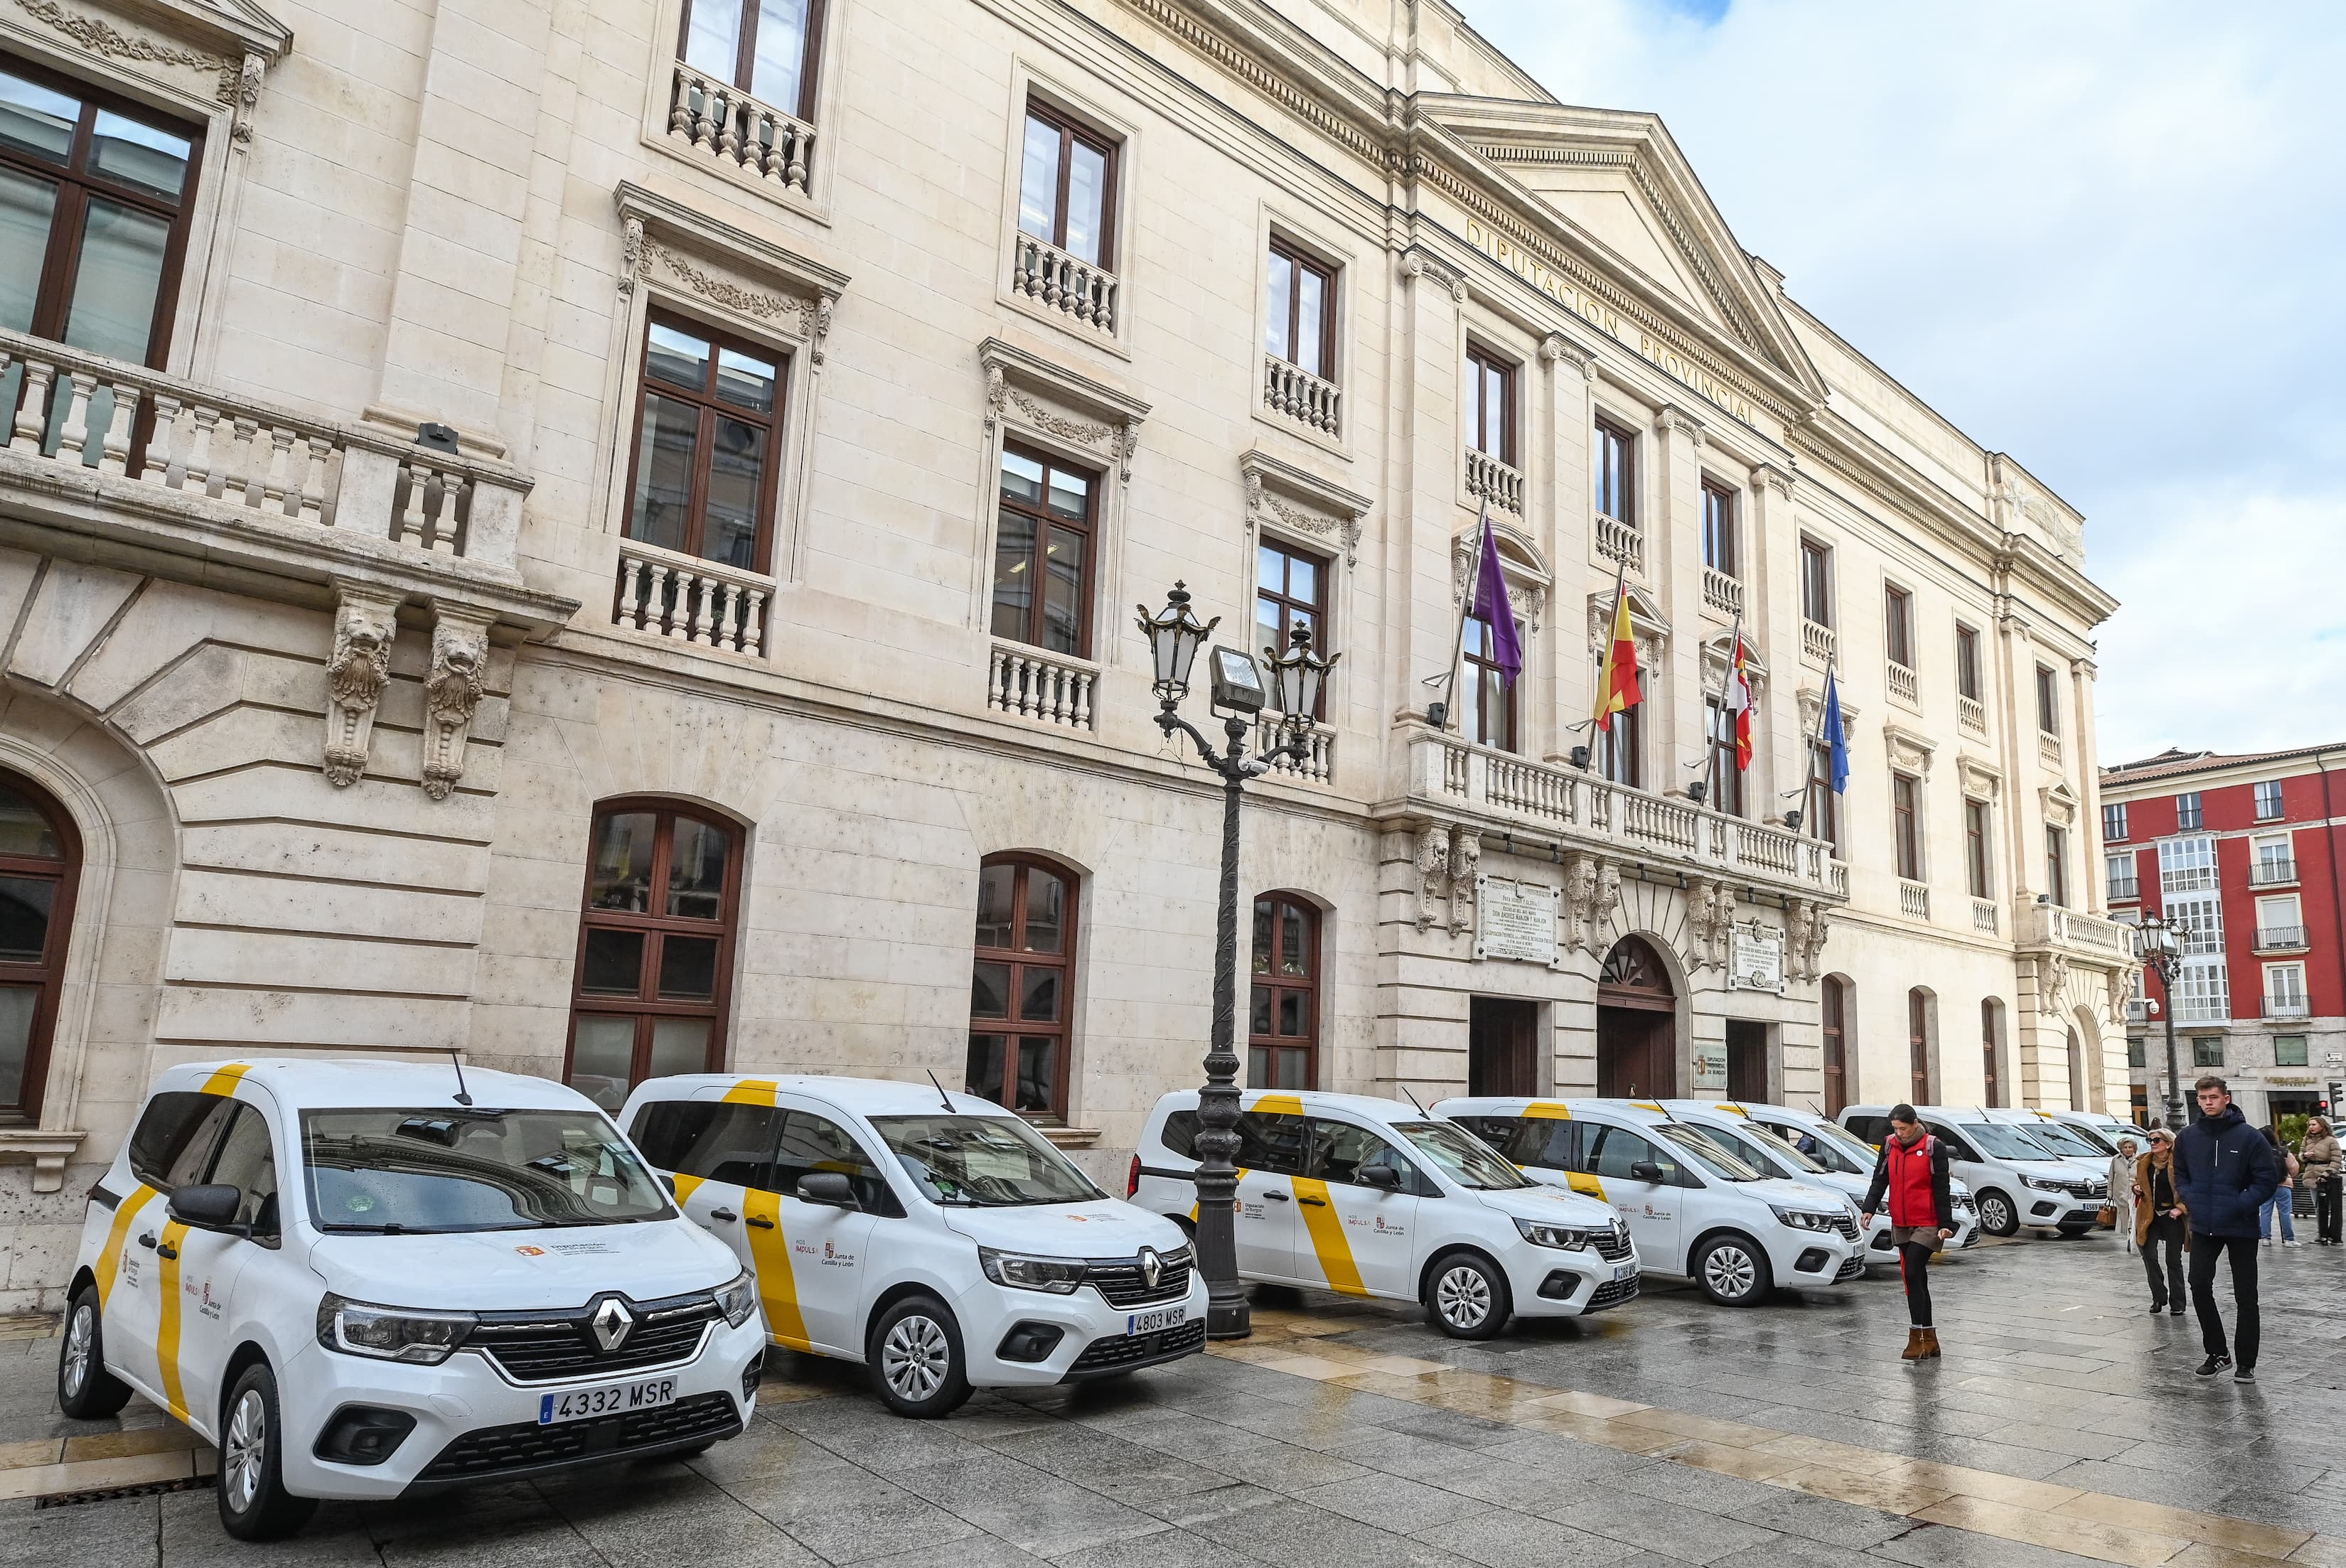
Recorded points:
(1726,679)
(1465,609)
(1809,785)
(1612,616)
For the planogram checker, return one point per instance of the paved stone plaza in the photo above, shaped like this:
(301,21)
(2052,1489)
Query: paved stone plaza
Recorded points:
(2063,1426)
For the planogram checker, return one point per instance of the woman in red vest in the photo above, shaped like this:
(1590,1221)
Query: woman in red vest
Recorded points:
(1912,1174)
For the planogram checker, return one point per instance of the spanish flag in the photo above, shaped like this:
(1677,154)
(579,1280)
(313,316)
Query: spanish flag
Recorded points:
(1617,683)
(1738,701)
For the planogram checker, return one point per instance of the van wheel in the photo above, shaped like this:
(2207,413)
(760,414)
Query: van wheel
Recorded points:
(253,1502)
(1733,1272)
(1467,1297)
(916,1358)
(86,1390)
(1996,1215)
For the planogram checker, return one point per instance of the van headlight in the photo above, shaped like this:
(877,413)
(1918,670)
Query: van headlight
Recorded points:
(2043,1184)
(738,1300)
(1059,1276)
(1805,1219)
(1563,1236)
(391,1333)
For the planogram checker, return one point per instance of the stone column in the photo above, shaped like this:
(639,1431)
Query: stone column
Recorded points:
(1572,380)
(1672,525)
(1771,621)
(2086,777)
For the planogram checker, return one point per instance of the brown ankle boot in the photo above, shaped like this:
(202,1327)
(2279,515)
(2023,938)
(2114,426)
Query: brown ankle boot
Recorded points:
(1913,1350)
(1930,1344)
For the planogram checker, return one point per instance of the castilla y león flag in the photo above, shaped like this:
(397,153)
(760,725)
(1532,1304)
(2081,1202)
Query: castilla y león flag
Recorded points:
(1617,683)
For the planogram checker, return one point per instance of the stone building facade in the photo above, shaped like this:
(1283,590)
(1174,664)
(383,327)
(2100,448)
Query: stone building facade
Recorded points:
(599,535)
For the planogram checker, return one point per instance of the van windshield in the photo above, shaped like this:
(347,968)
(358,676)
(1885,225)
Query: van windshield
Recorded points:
(394,1171)
(1833,1149)
(2063,1139)
(1767,1139)
(1463,1157)
(1706,1155)
(983,1162)
(2005,1143)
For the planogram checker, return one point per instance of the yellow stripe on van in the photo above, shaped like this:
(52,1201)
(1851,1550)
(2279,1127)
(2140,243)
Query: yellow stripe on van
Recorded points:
(109,1260)
(1328,1243)
(686,1186)
(1648,1106)
(1732,1109)
(751,1092)
(1548,1111)
(1581,1181)
(166,1334)
(1278,1105)
(225,1080)
(1235,1199)
(778,1287)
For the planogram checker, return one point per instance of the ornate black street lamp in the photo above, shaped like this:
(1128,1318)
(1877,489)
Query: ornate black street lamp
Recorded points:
(2162,950)
(1175,636)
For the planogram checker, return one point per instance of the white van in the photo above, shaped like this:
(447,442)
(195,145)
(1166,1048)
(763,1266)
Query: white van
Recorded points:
(1694,1209)
(1371,1197)
(457,1280)
(2015,1179)
(1756,1145)
(936,1238)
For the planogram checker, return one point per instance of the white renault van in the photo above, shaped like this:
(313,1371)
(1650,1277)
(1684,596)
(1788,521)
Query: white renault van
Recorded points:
(2015,1179)
(1729,1122)
(1693,1208)
(936,1238)
(1371,1197)
(366,1279)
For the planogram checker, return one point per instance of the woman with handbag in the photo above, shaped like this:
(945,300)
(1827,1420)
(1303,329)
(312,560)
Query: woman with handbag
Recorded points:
(2119,1213)
(2162,1226)
(2318,1163)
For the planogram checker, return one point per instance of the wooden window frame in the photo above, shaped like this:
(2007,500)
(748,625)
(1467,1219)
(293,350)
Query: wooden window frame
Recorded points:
(2117,821)
(646,1006)
(76,182)
(1482,362)
(2257,796)
(1906,825)
(1726,779)
(1279,985)
(1045,520)
(1832,1032)
(47,973)
(2190,819)
(1821,798)
(1978,848)
(1718,552)
(1816,574)
(1898,625)
(1071,130)
(1481,663)
(746,52)
(2048,701)
(1607,433)
(1992,1075)
(711,407)
(1968,674)
(1304,261)
(1018,959)
(2057,864)
(1918,1045)
(1289,605)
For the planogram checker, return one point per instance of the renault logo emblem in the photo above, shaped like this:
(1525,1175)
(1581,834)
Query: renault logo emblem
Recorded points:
(1151,1266)
(611,1323)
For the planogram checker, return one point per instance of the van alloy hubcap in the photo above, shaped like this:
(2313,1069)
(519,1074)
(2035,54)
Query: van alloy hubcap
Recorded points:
(1727,1270)
(1993,1213)
(78,1335)
(1463,1298)
(914,1357)
(240,1456)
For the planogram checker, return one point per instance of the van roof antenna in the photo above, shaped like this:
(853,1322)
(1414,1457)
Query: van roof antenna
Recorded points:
(1416,1101)
(941,1092)
(463,1098)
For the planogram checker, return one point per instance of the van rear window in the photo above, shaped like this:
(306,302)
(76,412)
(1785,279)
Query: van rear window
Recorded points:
(1180,1135)
(177,1130)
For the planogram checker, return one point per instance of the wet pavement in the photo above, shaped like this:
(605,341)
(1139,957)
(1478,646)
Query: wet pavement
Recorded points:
(2063,1426)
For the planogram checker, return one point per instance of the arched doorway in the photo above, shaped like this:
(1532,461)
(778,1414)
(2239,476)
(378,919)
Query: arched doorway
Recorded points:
(1636,1024)
(40,867)
(1834,999)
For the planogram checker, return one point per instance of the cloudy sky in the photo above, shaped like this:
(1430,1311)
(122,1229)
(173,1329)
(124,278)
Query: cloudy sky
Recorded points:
(2107,237)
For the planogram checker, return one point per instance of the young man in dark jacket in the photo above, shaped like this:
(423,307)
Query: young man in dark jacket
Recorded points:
(2225,1172)
(1913,1175)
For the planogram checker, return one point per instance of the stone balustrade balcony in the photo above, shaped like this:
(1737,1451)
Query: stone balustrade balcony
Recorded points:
(1905,689)
(1037,684)
(2105,942)
(1972,715)
(1290,390)
(1722,591)
(2048,748)
(1913,899)
(1488,479)
(729,126)
(1318,763)
(686,599)
(1816,643)
(1055,280)
(1621,541)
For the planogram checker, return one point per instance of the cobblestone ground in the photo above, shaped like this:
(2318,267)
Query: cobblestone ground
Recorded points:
(2063,1426)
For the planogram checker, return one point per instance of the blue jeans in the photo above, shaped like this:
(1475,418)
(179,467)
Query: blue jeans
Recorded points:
(2280,1204)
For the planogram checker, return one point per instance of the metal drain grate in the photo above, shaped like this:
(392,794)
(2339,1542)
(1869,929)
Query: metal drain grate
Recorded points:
(109,1493)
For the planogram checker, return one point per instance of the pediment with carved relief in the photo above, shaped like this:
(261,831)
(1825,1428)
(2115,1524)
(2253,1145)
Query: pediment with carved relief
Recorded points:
(1282,498)
(767,289)
(1648,624)
(214,50)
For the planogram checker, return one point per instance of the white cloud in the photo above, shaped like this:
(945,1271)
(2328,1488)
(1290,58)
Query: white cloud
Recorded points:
(2106,237)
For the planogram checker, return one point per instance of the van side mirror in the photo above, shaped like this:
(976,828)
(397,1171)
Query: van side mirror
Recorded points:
(1646,1170)
(1384,1177)
(669,1181)
(212,1206)
(829,1188)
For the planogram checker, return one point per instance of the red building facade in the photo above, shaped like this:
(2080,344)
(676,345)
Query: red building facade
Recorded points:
(2246,853)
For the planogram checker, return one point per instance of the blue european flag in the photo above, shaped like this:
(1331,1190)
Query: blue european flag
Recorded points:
(1835,737)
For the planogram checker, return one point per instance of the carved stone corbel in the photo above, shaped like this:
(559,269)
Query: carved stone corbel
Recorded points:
(631,254)
(2052,983)
(1607,901)
(1710,909)
(1433,873)
(365,621)
(452,691)
(1465,861)
(1798,915)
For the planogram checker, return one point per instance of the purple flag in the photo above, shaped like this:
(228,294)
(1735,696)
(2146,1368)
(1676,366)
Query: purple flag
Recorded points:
(1491,606)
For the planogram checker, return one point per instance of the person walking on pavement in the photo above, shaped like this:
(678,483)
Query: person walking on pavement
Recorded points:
(2277,1220)
(2162,1226)
(1912,1174)
(2121,1189)
(2318,1167)
(2225,1173)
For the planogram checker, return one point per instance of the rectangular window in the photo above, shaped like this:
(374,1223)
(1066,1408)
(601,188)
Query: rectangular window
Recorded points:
(2284,989)
(1898,626)
(1615,466)
(1491,404)
(2289,1051)
(1718,527)
(2057,865)
(2048,700)
(2268,801)
(1043,550)
(765,47)
(2280,922)
(2114,822)
(1487,712)
(1291,591)
(2135,1050)
(1977,845)
(1620,748)
(1967,662)
(2199,918)
(1905,812)
(2187,865)
(2207,1050)
(2187,812)
(2276,861)
(1067,187)
(1816,583)
(1726,779)
(1822,800)
(708,436)
(1301,324)
(2118,877)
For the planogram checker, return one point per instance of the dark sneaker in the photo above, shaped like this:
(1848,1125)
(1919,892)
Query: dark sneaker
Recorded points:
(2156,1307)
(2213,1365)
(2245,1375)
(2175,1311)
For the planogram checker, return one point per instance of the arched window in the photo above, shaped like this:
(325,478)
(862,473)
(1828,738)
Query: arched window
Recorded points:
(655,947)
(1834,1005)
(1283,1027)
(40,862)
(1021,985)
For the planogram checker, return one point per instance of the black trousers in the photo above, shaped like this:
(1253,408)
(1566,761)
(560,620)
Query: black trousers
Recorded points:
(2205,1250)
(1914,1268)
(2162,1259)
(2325,1208)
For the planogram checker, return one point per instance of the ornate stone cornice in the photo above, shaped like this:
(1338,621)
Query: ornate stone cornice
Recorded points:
(1090,414)
(1300,501)
(774,286)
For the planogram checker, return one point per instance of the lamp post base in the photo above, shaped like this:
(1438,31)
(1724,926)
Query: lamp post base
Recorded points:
(1230,1318)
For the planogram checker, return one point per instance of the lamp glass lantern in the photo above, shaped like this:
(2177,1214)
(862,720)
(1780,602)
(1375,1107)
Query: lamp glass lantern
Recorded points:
(1298,676)
(1175,634)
